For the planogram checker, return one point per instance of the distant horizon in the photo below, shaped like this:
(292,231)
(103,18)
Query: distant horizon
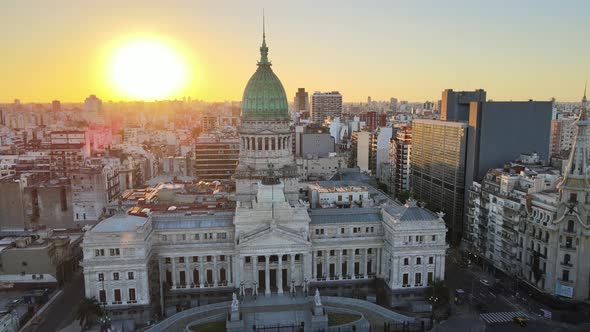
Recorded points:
(515,50)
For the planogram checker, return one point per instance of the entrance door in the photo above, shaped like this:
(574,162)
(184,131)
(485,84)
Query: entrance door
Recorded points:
(182,278)
(344,271)
(273,280)
(261,280)
(168,277)
(222,275)
(210,277)
(357,268)
(332,270)
(320,271)
(286,282)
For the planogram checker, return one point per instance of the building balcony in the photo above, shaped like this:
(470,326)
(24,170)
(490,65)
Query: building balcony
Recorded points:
(566,282)
(568,248)
(566,264)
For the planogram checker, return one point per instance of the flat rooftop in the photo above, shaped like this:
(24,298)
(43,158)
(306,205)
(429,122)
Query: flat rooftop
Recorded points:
(120,223)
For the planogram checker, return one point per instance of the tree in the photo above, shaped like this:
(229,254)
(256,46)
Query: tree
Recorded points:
(88,311)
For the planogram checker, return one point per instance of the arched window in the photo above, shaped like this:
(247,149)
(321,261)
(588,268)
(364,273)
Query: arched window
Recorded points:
(566,258)
(570,226)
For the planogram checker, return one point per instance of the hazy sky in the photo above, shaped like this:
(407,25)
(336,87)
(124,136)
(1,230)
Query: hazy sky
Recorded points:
(515,49)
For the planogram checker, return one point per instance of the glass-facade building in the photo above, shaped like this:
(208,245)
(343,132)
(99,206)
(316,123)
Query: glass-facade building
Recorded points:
(438,169)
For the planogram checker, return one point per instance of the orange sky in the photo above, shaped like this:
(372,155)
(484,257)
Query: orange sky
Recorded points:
(407,49)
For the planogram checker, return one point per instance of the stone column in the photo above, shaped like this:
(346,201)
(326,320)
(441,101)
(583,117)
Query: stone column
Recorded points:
(314,266)
(379,263)
(188,272)
(215,275)
(291,268)
(239,271)
(351,264)
(365,262)
(173,260)
(327,264)
(162,273)
(202,271)
(339,267)
(280,275)
(267,274)
(254,260)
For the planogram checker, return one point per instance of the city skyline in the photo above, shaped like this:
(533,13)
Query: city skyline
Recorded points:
(412,51)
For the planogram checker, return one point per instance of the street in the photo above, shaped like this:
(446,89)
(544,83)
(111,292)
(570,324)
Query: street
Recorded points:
(63,310)
(480,298)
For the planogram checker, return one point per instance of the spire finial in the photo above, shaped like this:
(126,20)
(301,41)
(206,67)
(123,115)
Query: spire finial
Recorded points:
(584,99)
(263,48)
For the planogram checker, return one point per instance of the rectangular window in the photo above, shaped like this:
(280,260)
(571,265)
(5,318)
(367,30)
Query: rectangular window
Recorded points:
(366,229)
(319,253)
(99,252)
(221,236)
(433,238)
(114,252)
(342,230)
(430,260)
(115,275)
(130,276)
(195,259)
(430,278)
(101,277)
(117,296)
(418,279)
(164,238)
(208,258)
(565,275)
(181,259)
(357,251)
(222,258)
(167,260)
(102,296)
(331,252)
(197,236)
(406,261)
(132,295)
(405,280)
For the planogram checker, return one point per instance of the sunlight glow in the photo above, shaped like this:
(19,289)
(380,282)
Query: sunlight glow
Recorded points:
(147,69)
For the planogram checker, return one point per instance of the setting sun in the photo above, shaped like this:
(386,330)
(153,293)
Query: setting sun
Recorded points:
(147,69)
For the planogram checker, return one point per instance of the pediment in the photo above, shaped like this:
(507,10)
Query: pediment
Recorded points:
(572,211)
(273,237)
(267,132)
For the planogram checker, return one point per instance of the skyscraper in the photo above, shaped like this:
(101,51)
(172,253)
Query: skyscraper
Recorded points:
(501,131)
(455,104)
(438,169)
(324,105)
(301,102)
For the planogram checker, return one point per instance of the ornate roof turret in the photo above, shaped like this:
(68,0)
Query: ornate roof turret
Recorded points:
(264,96)
(577,174)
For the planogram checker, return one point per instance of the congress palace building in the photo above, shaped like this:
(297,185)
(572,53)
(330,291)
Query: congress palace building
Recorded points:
(283,235)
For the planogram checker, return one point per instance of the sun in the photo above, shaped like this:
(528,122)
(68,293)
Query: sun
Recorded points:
(147,69)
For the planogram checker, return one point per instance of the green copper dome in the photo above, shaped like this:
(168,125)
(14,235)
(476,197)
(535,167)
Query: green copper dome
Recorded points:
(264,97)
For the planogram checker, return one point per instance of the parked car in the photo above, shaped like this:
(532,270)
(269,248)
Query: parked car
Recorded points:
(484,282)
